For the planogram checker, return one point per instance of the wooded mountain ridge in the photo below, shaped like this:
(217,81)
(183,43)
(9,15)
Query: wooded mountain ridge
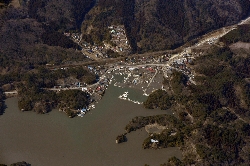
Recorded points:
(153,25)
(32,33)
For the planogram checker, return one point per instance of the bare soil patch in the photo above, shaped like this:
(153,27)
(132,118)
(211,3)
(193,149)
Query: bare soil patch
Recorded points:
(15,3)
(240,45)
(155,128)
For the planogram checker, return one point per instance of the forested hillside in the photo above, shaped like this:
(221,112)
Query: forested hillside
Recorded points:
(30,34)
(33,34)
(213,113)
(157,25)
(60,14)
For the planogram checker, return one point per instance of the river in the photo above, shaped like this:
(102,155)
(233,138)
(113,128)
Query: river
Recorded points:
(56,140)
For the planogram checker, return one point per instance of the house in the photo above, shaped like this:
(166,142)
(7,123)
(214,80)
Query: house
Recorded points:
(84,110)
(90,68)
(84,89)
(98,88)
(154,141)
(131,68)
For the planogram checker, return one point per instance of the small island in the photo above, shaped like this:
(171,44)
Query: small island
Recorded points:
(121,138)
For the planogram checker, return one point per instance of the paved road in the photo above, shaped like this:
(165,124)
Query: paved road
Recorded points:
(11,92)
(181,49)
(246,21)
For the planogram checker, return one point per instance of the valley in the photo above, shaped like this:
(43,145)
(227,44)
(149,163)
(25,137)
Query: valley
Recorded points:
(101,82)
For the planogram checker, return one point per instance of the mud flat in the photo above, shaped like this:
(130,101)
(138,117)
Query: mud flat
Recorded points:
(54,139)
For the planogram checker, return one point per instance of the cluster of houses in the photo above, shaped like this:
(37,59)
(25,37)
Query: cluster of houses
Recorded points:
(100,87)
(76,37)
(181,63)
(119,42)
(119,39)
(96,50)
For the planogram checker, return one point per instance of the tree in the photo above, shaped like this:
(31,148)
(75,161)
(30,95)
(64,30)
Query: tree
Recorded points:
(23,163)
(159,98)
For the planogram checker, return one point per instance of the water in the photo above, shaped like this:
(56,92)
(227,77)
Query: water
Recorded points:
(57,140)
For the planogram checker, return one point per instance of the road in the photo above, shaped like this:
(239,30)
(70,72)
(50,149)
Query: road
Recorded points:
(91,56)
(151,80)
(213,36)
(246,21)
(11,92)
(109,70)
(147,64)
(210,37)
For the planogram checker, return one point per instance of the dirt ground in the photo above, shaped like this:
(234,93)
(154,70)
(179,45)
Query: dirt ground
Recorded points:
(15,3)
(155,128)
(240,45)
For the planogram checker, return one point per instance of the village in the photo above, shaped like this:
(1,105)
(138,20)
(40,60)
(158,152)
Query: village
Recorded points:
(141,73)
(119,40)
(145,73)
(118,44)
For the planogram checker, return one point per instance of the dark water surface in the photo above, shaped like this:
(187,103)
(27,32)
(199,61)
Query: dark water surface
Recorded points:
(57,140)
